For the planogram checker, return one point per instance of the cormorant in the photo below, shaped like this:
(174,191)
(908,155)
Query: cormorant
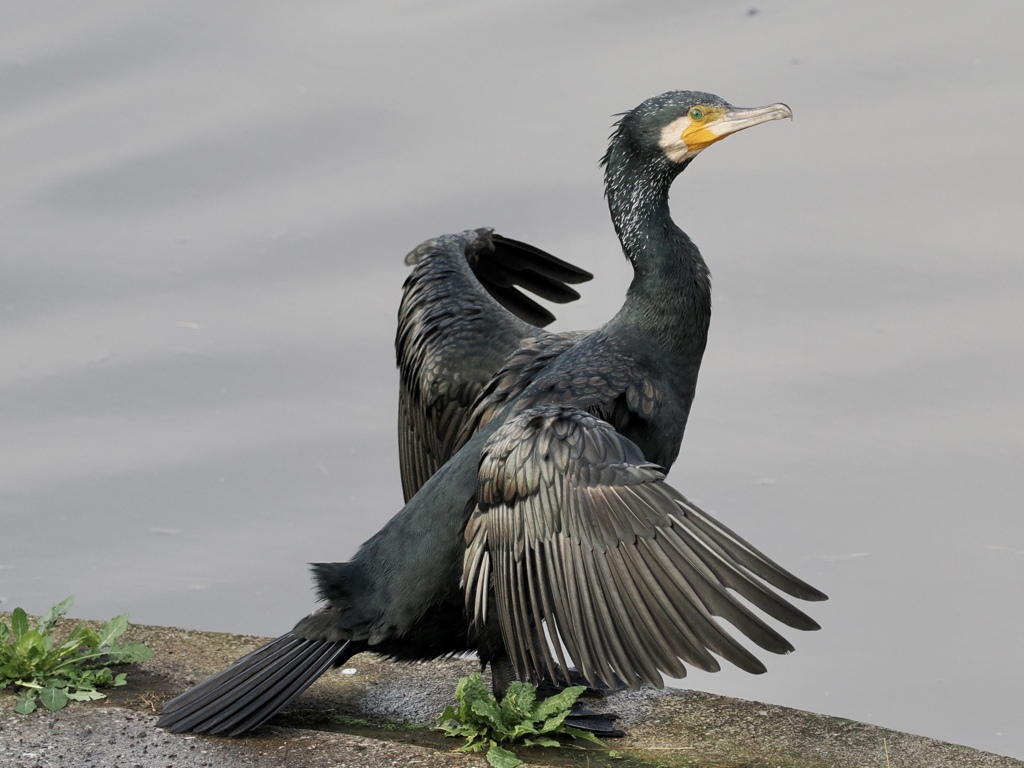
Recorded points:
(540,510)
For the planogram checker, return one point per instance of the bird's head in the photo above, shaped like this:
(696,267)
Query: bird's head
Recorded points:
(679,124)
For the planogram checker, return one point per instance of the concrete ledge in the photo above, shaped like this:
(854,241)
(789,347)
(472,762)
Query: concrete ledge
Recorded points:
(381,716)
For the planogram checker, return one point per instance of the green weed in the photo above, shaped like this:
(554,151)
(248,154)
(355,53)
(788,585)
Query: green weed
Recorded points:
(519,718)
(51,674)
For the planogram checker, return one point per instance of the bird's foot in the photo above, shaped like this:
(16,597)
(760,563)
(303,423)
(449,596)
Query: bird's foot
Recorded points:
(601,724)
(601,691)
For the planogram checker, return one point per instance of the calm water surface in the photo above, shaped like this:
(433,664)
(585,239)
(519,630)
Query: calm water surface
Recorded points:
(205,209)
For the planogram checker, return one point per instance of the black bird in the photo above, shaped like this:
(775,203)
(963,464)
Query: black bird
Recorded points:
(541,509)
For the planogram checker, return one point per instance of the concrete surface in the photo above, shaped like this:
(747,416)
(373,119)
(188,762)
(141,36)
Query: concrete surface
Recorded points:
(381,716)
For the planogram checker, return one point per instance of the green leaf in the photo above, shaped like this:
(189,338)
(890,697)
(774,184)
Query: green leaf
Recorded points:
(543,741)
(502,758)
(472,689)
(50,618)
(112,630)
(448,720)
(521,730)
(559,703)
(85,694)
(488,711)
(85,636)
(5,633)
(19,623)
(576,733)
(129,652)
(25,704)
(30,646)
(519,702)
(554,724)
(70,645)
(53,698)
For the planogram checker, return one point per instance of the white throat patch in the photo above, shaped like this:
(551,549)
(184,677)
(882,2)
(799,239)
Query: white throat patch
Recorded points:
(672,143)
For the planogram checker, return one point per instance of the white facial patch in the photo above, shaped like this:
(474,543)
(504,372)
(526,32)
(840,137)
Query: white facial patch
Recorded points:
(671,141)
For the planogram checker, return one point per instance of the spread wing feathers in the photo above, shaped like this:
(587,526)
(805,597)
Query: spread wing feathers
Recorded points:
(582,540)
(461,315)
(254,688)
(513,263)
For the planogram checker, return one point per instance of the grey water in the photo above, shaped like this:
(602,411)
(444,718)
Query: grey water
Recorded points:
(204,210)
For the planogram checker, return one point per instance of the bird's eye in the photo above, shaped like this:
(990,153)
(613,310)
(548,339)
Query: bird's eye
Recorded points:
(696,114)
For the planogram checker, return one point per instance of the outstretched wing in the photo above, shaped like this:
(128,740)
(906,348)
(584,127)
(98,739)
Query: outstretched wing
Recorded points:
(461,315)
(582,541)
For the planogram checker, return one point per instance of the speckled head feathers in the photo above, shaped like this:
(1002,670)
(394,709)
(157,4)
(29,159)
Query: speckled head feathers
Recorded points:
(639,130)
(678,125)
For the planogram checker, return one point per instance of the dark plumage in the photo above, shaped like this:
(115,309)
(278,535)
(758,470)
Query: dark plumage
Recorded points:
(533,464)
(452,336)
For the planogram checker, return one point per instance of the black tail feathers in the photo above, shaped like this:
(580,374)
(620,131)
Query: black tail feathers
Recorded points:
(254,688)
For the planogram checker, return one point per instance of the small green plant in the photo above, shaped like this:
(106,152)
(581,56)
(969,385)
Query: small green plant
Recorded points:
(519,718)
(53,675)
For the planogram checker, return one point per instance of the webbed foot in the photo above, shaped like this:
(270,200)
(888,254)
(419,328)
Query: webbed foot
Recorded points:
(601,724)
(548,688)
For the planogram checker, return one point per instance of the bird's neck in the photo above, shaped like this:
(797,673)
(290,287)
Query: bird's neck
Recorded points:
(668,304)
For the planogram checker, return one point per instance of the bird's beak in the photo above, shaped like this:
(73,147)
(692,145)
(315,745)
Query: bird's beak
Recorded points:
(702,135)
